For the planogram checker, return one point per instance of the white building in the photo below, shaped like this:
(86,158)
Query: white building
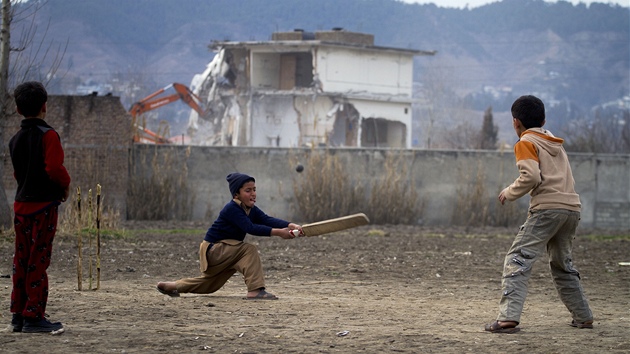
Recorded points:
(331,88)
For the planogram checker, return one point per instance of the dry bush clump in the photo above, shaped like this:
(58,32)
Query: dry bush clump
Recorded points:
(508,214)
(328,191)
(72,218)
(471,207)
(394,198)
(474,207)
(164,193)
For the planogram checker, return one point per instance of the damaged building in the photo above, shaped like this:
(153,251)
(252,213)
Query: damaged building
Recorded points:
(323,88)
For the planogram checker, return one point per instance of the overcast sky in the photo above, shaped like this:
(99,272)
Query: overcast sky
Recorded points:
(476,3)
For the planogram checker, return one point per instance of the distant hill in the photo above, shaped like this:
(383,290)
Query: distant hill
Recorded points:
(567,53)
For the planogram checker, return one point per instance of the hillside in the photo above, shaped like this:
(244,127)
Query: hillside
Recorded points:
(486,55)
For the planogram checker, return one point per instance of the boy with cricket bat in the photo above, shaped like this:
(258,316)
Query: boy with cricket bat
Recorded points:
(223,252)
(554,214)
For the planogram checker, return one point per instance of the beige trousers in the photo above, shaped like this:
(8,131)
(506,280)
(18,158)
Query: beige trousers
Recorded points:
(219,261)
(550,231)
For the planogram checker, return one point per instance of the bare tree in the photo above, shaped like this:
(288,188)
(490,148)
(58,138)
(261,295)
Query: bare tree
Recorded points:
(33,60)
(444,122)
(607,132)
(5,209)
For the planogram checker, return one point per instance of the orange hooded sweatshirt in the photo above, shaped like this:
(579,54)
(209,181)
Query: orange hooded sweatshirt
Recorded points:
(545,172)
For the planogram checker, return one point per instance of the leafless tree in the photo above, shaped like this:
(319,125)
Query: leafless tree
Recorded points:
(607,132)
(443,120)
(30,59)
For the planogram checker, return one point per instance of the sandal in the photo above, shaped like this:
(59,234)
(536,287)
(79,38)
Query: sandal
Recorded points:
(585,324)
(263,295)
(173,293)
(495,327)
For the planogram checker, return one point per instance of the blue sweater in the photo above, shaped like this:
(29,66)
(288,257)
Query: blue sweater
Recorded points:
(233,223)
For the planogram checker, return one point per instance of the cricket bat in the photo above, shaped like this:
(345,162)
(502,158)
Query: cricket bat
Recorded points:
(332,225)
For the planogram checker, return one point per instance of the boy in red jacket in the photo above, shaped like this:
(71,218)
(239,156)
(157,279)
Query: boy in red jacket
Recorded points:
(43,184)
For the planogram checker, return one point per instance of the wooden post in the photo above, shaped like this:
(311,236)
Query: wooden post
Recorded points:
(90,235)
(79,243)
(98,236)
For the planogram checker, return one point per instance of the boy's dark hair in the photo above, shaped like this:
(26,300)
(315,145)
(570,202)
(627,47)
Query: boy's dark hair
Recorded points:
(30,98)
(530,110)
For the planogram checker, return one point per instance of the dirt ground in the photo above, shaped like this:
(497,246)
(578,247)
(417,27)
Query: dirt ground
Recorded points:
(372,289)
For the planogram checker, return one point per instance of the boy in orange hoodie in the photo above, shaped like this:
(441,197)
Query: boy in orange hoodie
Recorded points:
(554,214)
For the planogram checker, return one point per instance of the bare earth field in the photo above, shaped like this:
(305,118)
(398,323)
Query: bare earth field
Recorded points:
(373,289)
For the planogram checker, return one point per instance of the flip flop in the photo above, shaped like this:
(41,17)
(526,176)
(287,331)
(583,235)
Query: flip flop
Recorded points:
(173,293)
(495,327)
(585,324)
(263,295)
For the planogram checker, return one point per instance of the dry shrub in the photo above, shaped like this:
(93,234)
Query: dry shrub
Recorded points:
(87,220)
(508,214)
(325,190)
(70,220)
(163,193)
(471,208)
(394,198)
(475,208)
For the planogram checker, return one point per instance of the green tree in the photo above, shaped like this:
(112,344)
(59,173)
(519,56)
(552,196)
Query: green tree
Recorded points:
(489,132)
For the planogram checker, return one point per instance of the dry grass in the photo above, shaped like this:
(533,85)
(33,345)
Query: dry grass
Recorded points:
(84,221)
(474,207)
(327,189)
(394,198)
(471,207)
(71,220)
(163,193)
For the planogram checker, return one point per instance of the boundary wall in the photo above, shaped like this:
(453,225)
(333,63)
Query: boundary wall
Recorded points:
(439,176)
(96,134)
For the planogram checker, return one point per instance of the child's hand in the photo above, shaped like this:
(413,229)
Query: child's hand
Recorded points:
(297,227)
(66,193)
(502,198)
(284,233)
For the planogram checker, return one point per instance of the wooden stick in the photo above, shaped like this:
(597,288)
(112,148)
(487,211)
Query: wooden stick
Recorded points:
(90,235)
(80,242)
(98,236)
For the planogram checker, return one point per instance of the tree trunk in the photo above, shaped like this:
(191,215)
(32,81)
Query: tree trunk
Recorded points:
(5,47)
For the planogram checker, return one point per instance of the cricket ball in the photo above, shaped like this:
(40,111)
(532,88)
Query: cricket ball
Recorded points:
(299,168)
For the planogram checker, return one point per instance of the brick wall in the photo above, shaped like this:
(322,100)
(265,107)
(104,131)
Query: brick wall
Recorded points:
(96,135)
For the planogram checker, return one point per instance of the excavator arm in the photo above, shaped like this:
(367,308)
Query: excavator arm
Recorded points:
(152,102)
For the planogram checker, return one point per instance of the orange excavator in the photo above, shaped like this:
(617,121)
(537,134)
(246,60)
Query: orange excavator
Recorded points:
(151,102)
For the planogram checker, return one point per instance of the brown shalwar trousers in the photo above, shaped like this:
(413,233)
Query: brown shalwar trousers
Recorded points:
(219,261)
